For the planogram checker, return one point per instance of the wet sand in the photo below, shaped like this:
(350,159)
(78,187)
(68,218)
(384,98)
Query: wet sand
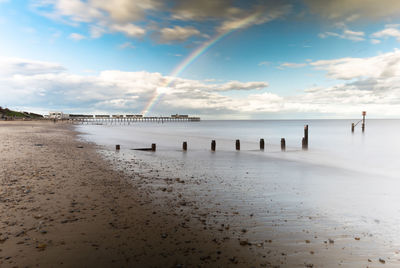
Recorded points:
(63,205)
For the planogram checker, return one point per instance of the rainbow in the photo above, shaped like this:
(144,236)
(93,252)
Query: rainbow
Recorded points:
(195,55)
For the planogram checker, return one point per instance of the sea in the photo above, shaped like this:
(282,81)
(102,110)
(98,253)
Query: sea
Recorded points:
(345,186)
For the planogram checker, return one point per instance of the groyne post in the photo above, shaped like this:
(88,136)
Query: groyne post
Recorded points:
(306,135)
(237,145)
(304,141)
(364,113)
(213,144)
(117,147)
(262,144)
(352,127)
(283,145)
(153,147)
(184,146)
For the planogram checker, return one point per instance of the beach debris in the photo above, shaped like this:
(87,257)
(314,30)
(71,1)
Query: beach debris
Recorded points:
(369,260)
(382,261)
(357,238)
(331,241)
(164,236)
(41,246)
(19,233)
(80,146)
(38,144)
(308,241)
(244,243)
(69,220)
(233,260)
(309,265)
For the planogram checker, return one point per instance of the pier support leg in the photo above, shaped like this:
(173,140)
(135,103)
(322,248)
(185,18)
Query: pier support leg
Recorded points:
(352,127)
(153,147)
(237,145)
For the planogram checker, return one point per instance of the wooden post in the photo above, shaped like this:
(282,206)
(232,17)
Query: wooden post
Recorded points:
(117,147)
(237,145)
(352,127)
(213,145)
(364,113)
(153,147)
(303,144)
(184,146)
(306,136)
(262,144)
(283,145)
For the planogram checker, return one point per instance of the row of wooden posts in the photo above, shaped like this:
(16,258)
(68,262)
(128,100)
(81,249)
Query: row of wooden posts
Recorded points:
(304,144)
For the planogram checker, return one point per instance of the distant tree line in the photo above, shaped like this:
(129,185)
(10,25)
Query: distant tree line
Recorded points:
(7,113)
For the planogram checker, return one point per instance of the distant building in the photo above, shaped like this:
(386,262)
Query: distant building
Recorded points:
(81,116)
(58,115)
(102,116)
(179,116)
(134,116)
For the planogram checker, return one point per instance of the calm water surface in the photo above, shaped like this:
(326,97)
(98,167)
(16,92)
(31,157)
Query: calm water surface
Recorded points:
(345,179)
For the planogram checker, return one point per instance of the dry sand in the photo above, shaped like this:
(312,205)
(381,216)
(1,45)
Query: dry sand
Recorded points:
(63,205)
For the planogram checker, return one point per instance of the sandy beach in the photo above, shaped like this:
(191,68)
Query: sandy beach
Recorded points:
(62,206)
(63,203)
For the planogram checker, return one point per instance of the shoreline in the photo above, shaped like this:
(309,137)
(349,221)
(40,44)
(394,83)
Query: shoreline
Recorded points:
(63,203)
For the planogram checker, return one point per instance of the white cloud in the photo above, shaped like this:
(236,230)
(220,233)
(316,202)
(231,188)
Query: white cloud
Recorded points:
(369,84)
(292,65)
(178,33)
(353,9)
(391,30)
(381,66)
(132,17)
(13,66)
(125,11)
(126,45)
(375,41)
(264,63)
(97,31)
(102,16)
(128,29)
(346,34)
(261,15)
(76,36)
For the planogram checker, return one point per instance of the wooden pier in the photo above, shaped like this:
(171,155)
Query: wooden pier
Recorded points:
(126,120)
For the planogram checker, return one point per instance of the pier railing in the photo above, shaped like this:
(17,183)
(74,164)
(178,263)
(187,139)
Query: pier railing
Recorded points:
(129,120)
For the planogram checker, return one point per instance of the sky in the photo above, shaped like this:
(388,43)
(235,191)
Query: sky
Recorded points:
(218,59)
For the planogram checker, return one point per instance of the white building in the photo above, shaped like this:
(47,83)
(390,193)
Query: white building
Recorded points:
(58,115)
